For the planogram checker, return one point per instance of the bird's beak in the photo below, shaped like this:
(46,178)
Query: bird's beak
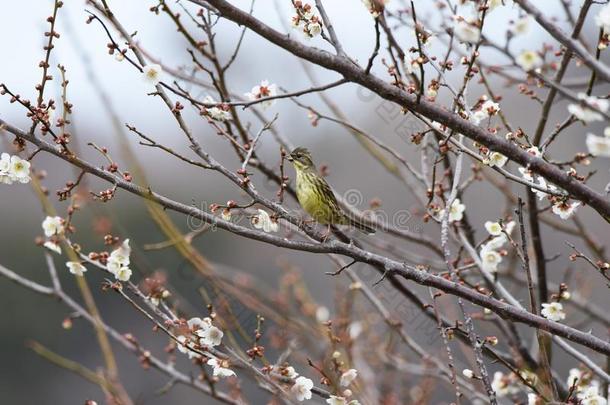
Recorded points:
(289,158)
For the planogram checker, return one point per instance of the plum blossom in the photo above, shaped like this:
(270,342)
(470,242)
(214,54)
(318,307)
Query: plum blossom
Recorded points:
(503,385)
(565,209)
(501,239)
(542,183)
(553,311)
(216,112)
(533,399)
(591,396)
(52,246)
(456,211)
(263,221)
(19,170)
(598,145)
(375,7)
(529,60)
(185,345)
(221,368)
(5,167)
(53,226)
(152,74)
(602,19)
(118,262)
(521,26)
(494,228)
(210,336)
(348,376)
(76,268)
(336,400)
(306,20)
(495,159)
(302,388)
(490,259)
(468,373)
(322,314)
(588,114)
(262,90)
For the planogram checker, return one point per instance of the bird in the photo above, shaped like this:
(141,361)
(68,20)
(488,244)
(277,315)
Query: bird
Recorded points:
(315,195)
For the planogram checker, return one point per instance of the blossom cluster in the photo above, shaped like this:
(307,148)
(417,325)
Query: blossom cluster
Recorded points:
(13,169)
(306,20)
(561,206)
(53,227)
(118,262)
(203,334)
(262,90)
(218,112)
(489,255)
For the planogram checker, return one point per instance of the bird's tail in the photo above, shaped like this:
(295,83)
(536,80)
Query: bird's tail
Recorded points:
(361,226)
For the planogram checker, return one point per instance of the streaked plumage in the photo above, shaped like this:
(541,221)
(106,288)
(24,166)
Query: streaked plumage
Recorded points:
(315,195)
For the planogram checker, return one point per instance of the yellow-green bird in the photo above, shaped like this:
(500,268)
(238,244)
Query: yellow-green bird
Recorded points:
(315,195)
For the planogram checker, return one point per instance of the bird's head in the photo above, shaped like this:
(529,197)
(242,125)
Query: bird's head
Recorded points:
(301,159)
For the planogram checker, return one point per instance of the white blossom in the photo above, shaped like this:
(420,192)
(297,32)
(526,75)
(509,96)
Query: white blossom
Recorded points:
(354,329)
(118,262)
(466,32)
(591,397)
(468,373)
(5,167)
(494,228)
(195,324)
(302,388)
(490,259)
(565,209)
(503,385)
(52,226)
(152,74)
(495,159)
(335,400)
(553,311)
(312,29)
(529,60)
(542,183)
(374,6)
(216,113)
(221,368)
(52,246)
(588,114)
(456,211)
(262,90)
(527,174)
(123,274)
(322,314)
(533,399)
(598,145)
(19,170)
(521,26)
(602,19)
(185,345)
(263,221)
(500,240)
(210,336)
(348,376)
(76,268)
(290,372)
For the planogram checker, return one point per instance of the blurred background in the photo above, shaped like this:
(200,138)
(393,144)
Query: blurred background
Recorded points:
(25,378)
